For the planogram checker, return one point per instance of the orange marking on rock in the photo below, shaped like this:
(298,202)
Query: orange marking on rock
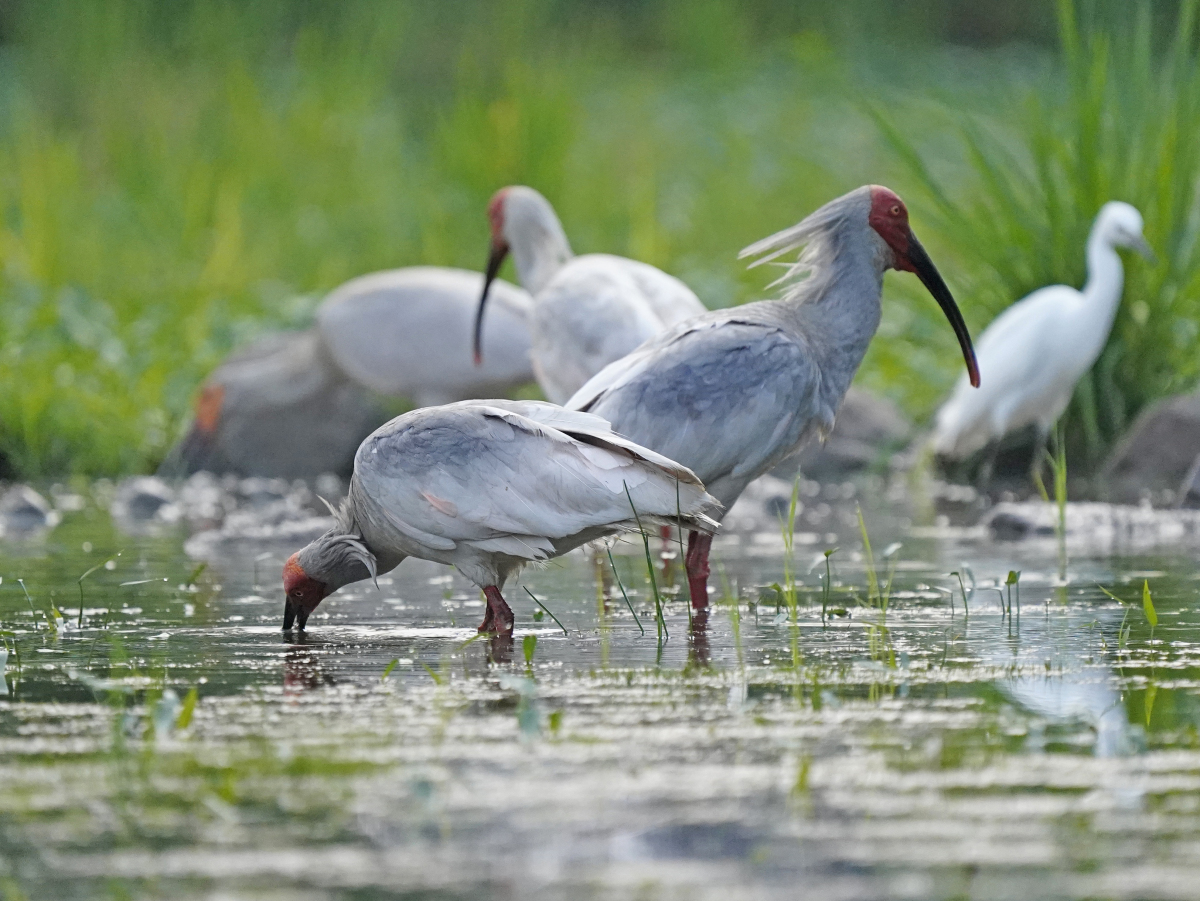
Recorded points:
(208,407)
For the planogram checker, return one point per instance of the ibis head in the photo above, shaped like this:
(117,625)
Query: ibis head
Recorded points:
(321,568)
(889,218)
(524,223)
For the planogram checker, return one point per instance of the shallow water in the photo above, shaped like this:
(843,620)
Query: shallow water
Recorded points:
(923,753)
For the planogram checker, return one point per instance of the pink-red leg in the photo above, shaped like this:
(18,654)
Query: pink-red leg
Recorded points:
(667,535)
(499,616)
(697,568)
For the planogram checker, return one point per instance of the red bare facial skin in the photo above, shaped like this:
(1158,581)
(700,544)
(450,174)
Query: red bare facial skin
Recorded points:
(495,214)
(303,593)
(889,218)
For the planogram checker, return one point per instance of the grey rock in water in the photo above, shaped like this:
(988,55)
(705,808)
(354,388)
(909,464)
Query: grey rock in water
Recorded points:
(23,510)
(1157,452)
(868,429)
(1095,527)
(145,500)
(278,408)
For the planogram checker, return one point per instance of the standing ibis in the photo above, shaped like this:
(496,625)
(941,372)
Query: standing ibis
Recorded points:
(733,392)
(587,310)
(402,333)
(407,333)
(487,487)
(1035,352)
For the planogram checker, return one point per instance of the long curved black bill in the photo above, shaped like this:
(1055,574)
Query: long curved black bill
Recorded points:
(919,260)
(289,615)
(495,261)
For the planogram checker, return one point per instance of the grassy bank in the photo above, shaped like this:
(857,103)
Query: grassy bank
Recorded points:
(178,177)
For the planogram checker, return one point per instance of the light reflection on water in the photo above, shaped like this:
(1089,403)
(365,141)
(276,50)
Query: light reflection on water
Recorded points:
(926,754)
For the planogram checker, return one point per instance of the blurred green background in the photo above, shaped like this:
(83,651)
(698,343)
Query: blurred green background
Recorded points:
(179,176)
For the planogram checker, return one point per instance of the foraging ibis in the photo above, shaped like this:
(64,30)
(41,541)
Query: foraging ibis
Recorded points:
(399,333)
(587,310)
(733,392)
(1035,352)
(488,486)
(279,407)
(407,333)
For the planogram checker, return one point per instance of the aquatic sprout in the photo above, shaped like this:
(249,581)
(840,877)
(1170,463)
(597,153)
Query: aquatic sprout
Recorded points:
(188,710)
(828,585)
(102,565)
(1148,607)
(387,670)
(730,598)
(528,648)
(1058,467)
(547,609)
(5,637)
(658,609)
(877,595)
(617,576)
(963,589)
(1013,580)
(788,592)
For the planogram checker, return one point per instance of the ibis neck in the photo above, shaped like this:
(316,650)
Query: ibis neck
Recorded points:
(839,315)
(1102,292)
(538,253)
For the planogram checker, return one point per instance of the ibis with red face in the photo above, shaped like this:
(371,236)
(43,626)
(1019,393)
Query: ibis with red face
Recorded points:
(731,393)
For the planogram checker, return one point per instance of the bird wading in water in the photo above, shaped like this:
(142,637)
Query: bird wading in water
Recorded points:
(731,393)
(487,487)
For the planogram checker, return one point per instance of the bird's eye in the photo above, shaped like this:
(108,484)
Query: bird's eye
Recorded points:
(297,592)
(896,210)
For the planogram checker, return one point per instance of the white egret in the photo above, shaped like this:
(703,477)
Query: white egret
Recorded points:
(1034,353)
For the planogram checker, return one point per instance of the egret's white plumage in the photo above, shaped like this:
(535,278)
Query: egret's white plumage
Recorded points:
(407,333)
(588,310)
(487,487)
(1034,353)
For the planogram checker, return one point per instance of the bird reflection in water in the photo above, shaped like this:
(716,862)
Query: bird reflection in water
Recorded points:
(301,666)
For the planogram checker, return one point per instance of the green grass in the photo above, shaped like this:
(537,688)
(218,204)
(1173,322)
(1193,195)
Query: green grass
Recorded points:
(1118,122)
(176,178)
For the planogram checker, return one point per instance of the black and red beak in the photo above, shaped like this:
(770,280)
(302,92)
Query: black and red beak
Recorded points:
(294,614)
(495,260)
(916,260)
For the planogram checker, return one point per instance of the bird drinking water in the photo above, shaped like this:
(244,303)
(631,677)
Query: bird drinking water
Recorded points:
(488,487)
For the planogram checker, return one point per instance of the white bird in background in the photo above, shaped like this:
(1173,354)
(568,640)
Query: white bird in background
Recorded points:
(588,310)
(487,487)
(406,333)
(1033,354)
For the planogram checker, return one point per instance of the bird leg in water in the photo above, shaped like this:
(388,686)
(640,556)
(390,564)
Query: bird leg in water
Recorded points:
(667,535)
(697,568)
(499,616)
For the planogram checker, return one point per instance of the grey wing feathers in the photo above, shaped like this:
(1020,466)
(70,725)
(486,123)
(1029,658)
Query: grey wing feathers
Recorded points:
(485,471)
(722,401)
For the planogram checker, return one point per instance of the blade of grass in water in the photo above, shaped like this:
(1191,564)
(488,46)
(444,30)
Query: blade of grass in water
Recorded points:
(658,610)
(547,609)
(617,575)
